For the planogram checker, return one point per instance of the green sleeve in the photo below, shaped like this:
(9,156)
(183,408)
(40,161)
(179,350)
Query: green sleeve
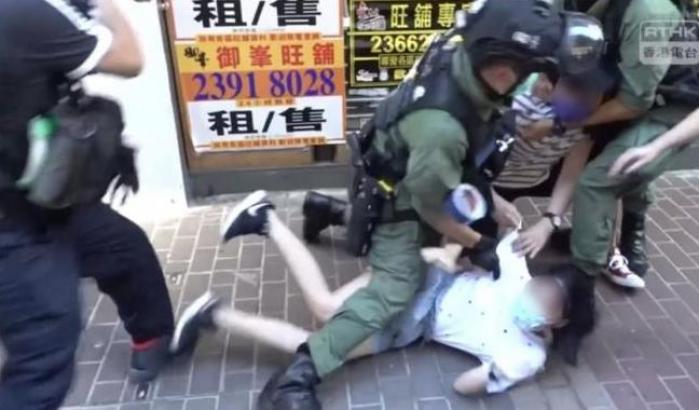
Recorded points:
(437,144)
(639,82)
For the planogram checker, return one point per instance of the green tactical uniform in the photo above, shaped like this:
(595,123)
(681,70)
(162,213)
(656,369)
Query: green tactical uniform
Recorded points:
(437,145)
(594,207)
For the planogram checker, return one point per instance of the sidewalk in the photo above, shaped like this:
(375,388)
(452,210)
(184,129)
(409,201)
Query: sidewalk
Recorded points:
(645,354)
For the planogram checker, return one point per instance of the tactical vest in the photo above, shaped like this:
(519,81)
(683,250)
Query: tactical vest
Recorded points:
(681,83)
(430,85)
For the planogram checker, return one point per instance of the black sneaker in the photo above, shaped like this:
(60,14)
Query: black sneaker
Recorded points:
(148,359)
(197,317)
(248,217)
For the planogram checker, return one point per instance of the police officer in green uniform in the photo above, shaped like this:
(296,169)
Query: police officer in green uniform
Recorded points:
(649,100)
(422,141)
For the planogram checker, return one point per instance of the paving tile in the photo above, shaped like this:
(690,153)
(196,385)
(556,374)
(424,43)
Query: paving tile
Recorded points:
(107,393)
(182,249)
(274,269)
(672,337)
(693,275)
(135,406)
(298,312)
(230,249)
(224,293)
(625,396)
(206,375)
(630,318)
(222,278)
(664,406)
(273,297)
(669,208)
(162,238)
(589,391)
(204,403)
(436,404)
(105,312)
(662,219)
(94,342)
(424,372)
(203,260)
(562,398)
(612,294)
(681,315)
(662,362)
(172,386)
(238,382)
(657,287)
(225,264)
(554,376)
(168,404)
(667,270)
(656,233)
(391,364)
(115,363)
(528,396)
(459,401)
(646,305)
(247,285)
(234,401)
(686,243)
(690,226)
(189,226)
(689,294)
(642,374)
(82,383)
(195,285)
(251,257)
(678,198)
(364,388)
(601,361)
(501,401)
(209,236)
(676,255)
(691,364)
(685,391)
(453,361)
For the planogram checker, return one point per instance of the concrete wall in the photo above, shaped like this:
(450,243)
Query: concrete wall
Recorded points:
(150,117)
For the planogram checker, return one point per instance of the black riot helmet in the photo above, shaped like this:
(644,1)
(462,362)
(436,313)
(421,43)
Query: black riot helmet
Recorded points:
(531,35)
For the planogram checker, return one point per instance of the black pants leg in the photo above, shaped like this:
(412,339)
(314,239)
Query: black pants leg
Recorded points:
(117,253)
(39,317)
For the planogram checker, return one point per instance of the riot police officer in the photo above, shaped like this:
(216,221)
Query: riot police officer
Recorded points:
(422,142)
(651,98)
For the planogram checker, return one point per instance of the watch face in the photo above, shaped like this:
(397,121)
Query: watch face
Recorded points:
(556,221)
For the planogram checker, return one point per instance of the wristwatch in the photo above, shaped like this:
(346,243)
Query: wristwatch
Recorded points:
(555,220)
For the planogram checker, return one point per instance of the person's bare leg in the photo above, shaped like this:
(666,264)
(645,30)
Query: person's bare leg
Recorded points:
(267,330)
(259,328)
(305,270)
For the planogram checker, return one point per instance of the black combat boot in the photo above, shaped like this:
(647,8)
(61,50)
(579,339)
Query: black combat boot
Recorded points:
(633,242)
(319,212)
(293,388)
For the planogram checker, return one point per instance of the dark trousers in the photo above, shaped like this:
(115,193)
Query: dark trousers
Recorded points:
(40,320)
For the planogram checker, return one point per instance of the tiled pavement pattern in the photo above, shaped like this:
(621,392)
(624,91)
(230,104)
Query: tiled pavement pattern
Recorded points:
(645,354)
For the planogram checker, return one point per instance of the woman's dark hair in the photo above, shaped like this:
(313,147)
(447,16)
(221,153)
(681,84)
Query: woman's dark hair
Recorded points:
(579,310)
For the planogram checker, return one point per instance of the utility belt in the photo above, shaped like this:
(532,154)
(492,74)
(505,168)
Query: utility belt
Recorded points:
(372,202)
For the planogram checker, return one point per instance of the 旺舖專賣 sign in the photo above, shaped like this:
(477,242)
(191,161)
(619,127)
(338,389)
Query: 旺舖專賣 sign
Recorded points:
(260,74)
(388,36)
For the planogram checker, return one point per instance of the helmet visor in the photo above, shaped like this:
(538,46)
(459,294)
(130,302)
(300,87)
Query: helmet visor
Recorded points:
(582,44)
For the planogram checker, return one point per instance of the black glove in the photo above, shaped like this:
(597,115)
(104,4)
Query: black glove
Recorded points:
(485,256)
